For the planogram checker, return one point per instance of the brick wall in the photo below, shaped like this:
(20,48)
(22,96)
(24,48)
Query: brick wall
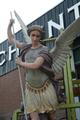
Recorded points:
(10,92)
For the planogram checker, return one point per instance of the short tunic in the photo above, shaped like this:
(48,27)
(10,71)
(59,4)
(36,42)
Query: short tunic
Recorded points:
(40,94)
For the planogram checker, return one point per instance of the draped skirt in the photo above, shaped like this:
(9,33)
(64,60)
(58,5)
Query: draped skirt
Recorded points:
(40,99)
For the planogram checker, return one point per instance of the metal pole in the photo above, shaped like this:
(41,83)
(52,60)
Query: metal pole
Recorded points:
(22,91)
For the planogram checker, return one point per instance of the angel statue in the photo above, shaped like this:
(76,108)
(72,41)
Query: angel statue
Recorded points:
(41,65)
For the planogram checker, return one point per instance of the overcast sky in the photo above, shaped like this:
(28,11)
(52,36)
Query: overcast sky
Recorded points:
(28,10)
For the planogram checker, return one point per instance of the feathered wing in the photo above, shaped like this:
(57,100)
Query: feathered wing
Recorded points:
(24,28)
(61,49)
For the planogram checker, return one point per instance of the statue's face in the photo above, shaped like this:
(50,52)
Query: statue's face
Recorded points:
(35,36)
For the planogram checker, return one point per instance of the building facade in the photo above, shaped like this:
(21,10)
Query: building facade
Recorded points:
(52,21)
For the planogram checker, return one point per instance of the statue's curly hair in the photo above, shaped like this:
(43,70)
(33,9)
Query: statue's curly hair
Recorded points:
(35,27)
